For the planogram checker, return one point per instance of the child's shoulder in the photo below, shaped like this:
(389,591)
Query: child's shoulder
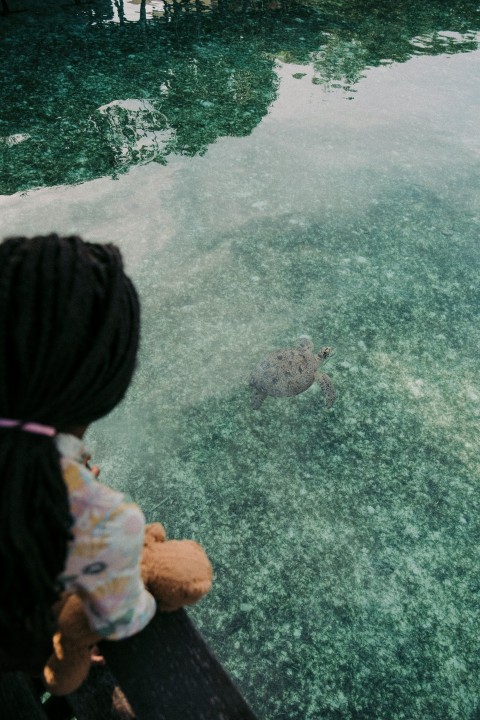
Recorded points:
(79,479)
(97,509)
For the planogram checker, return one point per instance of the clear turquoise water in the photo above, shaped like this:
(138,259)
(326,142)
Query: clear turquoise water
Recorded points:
(310,169)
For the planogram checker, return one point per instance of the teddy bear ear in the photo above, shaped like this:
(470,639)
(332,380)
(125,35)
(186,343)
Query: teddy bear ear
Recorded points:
(155,532)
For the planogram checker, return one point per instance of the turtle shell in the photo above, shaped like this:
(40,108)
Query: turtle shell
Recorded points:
(285,372)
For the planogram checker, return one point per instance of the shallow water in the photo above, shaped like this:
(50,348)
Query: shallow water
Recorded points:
(311,169)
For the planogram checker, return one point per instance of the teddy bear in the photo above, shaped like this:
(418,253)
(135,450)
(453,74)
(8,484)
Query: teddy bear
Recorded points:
(176,572)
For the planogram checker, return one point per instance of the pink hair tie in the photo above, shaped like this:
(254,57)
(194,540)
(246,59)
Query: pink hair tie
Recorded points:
(31,427)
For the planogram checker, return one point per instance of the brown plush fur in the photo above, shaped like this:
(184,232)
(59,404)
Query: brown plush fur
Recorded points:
(177,573)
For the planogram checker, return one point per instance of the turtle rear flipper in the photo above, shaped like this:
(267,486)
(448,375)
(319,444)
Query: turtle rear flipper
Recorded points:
(328,388)
(257,399)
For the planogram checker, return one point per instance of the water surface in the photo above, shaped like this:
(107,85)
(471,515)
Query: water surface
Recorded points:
(301,169)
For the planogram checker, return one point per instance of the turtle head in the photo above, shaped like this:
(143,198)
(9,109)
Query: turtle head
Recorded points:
(325,352)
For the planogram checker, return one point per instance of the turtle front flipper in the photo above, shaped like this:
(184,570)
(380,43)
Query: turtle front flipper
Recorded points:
(257,399)
(327,386)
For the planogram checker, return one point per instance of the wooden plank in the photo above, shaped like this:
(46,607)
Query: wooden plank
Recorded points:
(100,698)
(168,672)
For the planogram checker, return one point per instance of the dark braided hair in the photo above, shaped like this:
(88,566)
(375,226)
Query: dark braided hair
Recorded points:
(69,330)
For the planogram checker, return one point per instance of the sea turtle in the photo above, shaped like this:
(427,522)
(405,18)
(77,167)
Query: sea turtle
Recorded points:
(290,371)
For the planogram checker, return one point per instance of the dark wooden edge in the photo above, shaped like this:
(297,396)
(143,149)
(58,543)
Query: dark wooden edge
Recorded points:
(165,672)
(168,672)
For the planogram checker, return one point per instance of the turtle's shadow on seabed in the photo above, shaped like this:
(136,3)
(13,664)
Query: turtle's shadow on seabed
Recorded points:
(228,430)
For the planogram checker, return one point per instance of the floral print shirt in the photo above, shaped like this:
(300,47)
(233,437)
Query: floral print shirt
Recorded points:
(103,563)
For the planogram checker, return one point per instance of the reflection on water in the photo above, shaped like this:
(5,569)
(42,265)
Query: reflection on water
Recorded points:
(203,70)
(268,203)
(138,132)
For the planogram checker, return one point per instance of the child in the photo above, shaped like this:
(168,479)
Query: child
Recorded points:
(69,331)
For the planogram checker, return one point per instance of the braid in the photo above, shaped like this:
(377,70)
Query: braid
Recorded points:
(69,329)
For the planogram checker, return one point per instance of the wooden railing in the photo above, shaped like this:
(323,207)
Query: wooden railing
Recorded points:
(165,672)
